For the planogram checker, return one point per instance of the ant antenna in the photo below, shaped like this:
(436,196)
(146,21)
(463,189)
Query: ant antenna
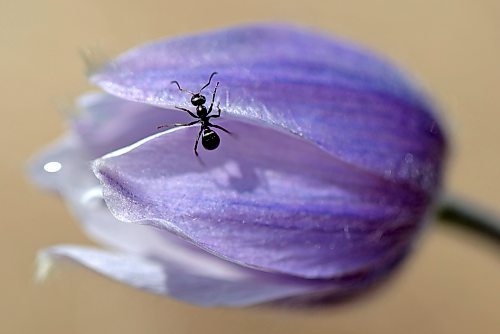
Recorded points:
(182,89)
(208,83)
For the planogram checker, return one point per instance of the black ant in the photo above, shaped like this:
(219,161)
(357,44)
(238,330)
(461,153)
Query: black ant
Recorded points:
(209,139)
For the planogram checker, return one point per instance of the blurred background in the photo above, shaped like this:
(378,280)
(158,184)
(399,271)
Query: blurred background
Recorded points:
(450,285)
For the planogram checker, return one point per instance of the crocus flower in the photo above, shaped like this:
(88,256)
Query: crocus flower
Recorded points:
(334,165)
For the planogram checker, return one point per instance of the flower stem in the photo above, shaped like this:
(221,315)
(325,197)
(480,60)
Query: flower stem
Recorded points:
(455,210)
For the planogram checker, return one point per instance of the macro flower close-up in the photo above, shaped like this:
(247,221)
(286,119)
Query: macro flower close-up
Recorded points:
(328,172)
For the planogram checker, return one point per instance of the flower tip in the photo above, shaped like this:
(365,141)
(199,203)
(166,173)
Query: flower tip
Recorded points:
(44,267)
(94,59)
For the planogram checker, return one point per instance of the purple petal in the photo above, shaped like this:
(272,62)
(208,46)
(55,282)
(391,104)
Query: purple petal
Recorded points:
(103,123)
(290,208)
(344,99)
(153,259)
(348,202)
(45,167)
(107,123)
(197,288)
(130,269)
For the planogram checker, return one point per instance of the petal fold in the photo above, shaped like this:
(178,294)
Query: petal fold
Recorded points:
(291,208)
(173,266)
(196,288)
(105,123)
(348,101)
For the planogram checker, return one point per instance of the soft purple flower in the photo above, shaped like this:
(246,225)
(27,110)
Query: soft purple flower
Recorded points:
(335,163)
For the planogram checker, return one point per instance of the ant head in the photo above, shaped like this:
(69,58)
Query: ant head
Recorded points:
(198,99)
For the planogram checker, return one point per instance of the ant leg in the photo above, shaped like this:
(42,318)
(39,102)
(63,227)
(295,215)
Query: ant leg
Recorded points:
(221,128)
(177,124)
(189,112)
(218,110)
(197,140)
(213,99)
(187,124)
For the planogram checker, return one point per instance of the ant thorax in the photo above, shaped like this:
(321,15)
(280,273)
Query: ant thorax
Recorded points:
(201,111)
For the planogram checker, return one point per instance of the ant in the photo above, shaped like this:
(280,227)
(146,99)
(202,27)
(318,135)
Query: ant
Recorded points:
(209,139)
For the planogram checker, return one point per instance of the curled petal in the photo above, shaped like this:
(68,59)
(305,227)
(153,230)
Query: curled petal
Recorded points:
(150,258)
(102,123)
(291,209)
(340,189)
(45,168)
(342,98)
(133,270)
(201,288)
(106,123)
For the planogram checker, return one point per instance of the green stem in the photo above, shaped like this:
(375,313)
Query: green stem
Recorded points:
(457,211)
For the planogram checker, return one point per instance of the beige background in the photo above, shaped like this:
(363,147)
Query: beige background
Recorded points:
(450,285)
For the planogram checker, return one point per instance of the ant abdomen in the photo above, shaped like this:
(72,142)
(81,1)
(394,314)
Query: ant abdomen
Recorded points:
(210,140)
